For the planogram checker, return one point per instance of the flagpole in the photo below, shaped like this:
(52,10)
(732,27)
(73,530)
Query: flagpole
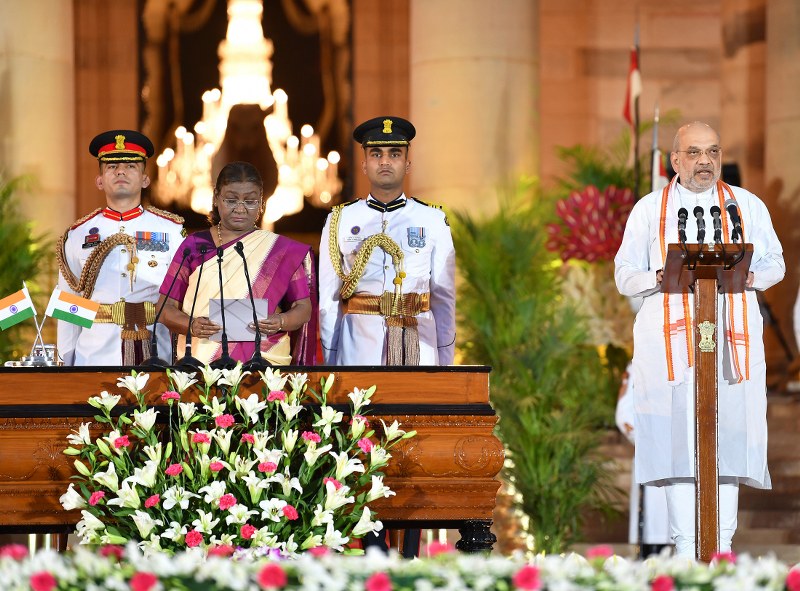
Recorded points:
(35,322)
(637,172)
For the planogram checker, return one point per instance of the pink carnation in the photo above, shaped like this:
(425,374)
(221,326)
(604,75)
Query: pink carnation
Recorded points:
(200,438)
(227,501)
(793,580)
(601,551)
(174,469)
(436,548)
(336,484)
(194,538)
(16,551)
(112,550)
(224,421)
(143,581)
(267,467)
(216,466)
(311,436)
(122,442)
(318,551)
(527,578)
(222,551)
(663,583)
(358,417)
(272,576)
(248,437)
(378,582)
(95,498)
(43,581)
(276,395)
(724,557)
(152,501)
(170,395)
(365,445)
(247,531)
(289,512)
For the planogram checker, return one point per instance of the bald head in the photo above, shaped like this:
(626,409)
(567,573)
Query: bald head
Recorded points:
(697,156)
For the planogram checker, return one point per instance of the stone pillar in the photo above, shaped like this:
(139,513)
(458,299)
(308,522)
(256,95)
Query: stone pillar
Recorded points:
(474,81)
(37,108)
(782,126)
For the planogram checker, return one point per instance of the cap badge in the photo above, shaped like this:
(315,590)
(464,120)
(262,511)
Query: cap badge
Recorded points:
(387,126)
(120,145)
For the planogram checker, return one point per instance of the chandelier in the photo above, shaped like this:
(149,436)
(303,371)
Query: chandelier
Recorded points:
(185,172)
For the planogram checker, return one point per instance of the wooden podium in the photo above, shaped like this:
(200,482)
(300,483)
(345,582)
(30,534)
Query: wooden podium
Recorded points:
(706,270)
(443,477)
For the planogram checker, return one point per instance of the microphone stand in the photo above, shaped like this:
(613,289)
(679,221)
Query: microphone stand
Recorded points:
(225,361)
(257,361)
(154,360)
(187,361)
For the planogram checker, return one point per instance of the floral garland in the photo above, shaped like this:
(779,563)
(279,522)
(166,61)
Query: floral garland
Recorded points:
(279,472)
(114,568)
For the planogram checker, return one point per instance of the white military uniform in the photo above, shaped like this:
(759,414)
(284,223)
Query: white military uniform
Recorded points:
(101,344)
(429,262)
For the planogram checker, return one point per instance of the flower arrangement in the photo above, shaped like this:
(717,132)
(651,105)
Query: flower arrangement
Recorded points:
(116,568)
(277,472)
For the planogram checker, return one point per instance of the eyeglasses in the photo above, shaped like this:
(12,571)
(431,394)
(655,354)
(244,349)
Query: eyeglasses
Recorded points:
(694,154)
(231,203)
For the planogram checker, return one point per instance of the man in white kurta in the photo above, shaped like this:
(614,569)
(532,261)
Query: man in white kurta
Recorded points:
(118,256)
(663,397)
(356,330)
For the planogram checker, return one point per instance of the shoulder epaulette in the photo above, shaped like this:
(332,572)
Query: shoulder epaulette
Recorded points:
(84,219)
(168,215)
(434,205)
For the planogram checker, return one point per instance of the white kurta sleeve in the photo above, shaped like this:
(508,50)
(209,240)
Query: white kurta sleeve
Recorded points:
(330,311)
(633,270)
(767,265)
(443,291)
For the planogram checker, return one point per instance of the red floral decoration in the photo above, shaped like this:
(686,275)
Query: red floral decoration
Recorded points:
(591,224)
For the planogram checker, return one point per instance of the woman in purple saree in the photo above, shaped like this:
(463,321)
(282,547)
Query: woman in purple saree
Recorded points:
(281,271)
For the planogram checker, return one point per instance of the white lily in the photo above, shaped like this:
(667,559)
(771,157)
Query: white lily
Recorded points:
(365,525)
(153,453)
(270,455)
(82,435)
(287,483)
(109,478)
(290,410)
(334,539)
(127,496)
(145,419)
(328,416)
(360,397)
(133,383)
(175,531)
(336,498)
(346,466)
(105,400)
(312,454)
(223,438)
(72,499)
(210,376)
(289,438)
(177,495)
(311,541)
(263,538)
(298,381)
(145,476)
(110,438)
(357,426)
(290,546)
(239,514)
(251,406)
(216,408)
(182,380)
(321,516)
(272,509)
(145,523)
(261,438)
(273,379)
(393,431)
(223,540)
(379,489)
(90,522)
(256,485)
(233,377)
(241,467)
(213,491)
(205,523)
(187,410)
(151,546)
(378,457)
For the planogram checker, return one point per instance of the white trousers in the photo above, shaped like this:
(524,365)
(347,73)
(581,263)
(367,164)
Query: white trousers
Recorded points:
(681,508)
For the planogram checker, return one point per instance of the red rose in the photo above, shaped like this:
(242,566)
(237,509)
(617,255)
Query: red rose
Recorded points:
(378,582)
(336,484)
(272,576)
(143,581)
(724,557)
(43,581)
(436,548)
(527,578)
(311,436)
(318,551)
(601,551)
(194,538)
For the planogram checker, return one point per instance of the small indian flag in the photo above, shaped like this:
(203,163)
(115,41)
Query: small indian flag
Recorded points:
(71,308)
(16,308)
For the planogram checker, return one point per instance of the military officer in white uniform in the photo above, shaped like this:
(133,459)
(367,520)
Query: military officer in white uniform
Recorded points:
(118,256)
(387,265)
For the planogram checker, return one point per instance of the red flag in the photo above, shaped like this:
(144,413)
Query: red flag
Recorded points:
(634,87)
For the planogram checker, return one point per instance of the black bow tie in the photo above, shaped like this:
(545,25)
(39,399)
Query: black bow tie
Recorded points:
(384,207)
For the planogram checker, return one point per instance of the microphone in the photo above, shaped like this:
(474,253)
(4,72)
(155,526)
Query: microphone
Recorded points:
(733,212)
(187,360)
(225,361)
(701,224)
(257,361)
(715,216)
(682,215)
(154,359)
